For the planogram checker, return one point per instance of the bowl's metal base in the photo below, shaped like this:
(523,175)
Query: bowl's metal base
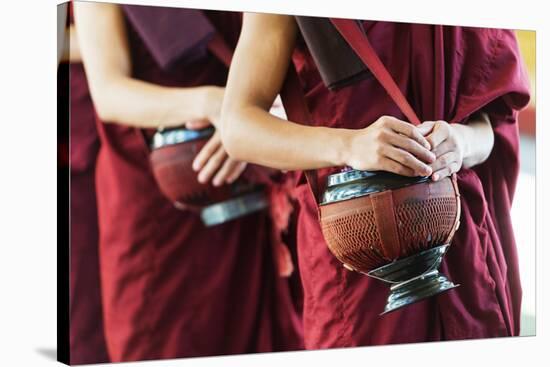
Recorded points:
(234,208)
(414,278)
(417,289)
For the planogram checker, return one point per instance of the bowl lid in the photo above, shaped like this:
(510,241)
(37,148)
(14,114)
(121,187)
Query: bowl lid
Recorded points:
(179,135)
(351,184)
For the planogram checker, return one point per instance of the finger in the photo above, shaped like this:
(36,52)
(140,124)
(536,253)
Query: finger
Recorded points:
(426,127)
(412,147)
(237,172)
(439,134)
(197,124)
(230,171)
(223,173)
(443,148)
(390,165)
(206,152)
(444,160)
(408,160)
(212,166)
(409,130)
(445,172)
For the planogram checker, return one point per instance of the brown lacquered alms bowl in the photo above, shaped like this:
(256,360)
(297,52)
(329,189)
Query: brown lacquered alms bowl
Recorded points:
(172,155)
(392,228)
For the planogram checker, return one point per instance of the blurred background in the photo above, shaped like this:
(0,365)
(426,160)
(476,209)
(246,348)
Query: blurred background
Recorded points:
(523,209)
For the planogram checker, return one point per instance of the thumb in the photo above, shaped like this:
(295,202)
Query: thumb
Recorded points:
(426,127)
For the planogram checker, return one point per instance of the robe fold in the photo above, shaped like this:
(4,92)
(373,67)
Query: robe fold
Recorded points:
(172,287)
(446,73)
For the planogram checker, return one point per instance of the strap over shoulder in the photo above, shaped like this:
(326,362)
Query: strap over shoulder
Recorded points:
(358,40)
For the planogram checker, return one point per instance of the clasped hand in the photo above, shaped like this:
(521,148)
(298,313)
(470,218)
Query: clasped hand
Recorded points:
(433,148)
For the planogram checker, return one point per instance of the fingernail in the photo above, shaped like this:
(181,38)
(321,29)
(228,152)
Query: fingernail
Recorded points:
(216,183)
(195,166)
(435,177)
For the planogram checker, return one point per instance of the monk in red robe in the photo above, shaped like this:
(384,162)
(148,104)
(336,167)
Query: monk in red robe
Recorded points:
(171,286)
(467,85)
(87,341)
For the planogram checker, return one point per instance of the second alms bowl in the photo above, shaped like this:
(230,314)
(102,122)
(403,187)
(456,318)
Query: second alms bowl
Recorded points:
(172,155)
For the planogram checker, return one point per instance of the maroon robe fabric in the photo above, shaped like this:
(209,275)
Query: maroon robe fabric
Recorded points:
(172,287)
(447,73)
(86,323)
(87,341)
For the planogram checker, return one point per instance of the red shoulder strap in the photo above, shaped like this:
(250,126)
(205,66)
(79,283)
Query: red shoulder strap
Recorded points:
(358,40)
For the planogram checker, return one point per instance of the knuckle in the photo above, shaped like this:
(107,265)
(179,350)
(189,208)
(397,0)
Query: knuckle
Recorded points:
(379,150)
(378,134)
(383,135)
(407,159)
(412,146)
(385,120)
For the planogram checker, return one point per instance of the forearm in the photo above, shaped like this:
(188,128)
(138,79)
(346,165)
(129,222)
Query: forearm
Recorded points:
(252,134)
(477,138)
(133,102)
(117,96)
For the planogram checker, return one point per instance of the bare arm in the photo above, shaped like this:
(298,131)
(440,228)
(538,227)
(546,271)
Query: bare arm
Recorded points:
(118,97)
(478,140)
(250,133)
(256,76)
(121,99)
(459,146)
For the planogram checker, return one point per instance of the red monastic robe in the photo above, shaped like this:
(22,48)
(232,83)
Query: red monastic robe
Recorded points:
(172,287)
(447,73)
(87,342)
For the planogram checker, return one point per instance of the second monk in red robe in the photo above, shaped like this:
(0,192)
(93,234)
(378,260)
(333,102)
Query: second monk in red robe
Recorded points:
(172,287)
